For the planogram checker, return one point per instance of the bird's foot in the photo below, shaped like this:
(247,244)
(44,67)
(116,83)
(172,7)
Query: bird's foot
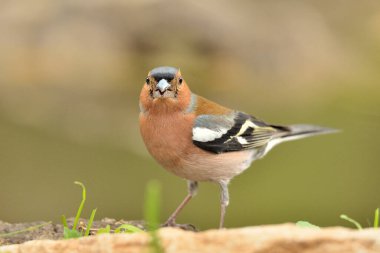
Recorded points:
(169,223)
(172,223)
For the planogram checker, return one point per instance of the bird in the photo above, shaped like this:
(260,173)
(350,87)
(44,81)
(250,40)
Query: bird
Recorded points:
(201,141)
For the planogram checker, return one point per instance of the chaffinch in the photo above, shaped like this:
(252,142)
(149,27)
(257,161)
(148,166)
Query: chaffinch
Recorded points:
(199,140)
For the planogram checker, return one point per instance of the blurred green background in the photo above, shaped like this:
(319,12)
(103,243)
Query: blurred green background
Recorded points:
(70,76)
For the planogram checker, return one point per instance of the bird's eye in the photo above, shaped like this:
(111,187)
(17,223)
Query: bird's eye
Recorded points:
(147,80)
(180,80)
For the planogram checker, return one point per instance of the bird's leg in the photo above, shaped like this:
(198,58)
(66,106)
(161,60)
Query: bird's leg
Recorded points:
(192,189)
(224,200)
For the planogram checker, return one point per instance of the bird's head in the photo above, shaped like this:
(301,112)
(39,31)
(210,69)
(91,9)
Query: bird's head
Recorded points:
(164,86)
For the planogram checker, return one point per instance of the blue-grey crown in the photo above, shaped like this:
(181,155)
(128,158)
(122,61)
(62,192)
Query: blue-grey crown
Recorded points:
(167,73)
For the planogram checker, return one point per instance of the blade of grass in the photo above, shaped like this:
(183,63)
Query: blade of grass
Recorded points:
(64,221)
(128,228)
(357,224)
(71,233)
(152,214)
(81,204)
(376,219)
(90,221)
(25,230)
(152,204)
(105,230)
(306,224)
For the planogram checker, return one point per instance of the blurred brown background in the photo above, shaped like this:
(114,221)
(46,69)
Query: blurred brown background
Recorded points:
(70,76)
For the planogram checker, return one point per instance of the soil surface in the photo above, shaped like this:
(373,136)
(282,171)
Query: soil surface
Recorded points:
(283,238)
(55,231)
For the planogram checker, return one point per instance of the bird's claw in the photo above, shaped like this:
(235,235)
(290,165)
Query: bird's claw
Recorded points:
(187,227)
(170,223)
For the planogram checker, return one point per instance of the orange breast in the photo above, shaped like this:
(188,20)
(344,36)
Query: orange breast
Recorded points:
(167,137)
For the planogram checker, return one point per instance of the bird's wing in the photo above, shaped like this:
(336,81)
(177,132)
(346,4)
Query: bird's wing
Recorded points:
(233,132)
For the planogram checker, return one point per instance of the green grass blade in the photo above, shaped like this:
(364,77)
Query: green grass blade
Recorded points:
(81,204)
(64,221)
(90,221)
(152,204)
(25,230)
(127,228)
(305,224)
(105,230)
(152,214)
(357,224)
(71,233)
(376,219)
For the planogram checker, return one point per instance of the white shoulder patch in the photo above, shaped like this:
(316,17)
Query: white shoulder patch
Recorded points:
(205,135)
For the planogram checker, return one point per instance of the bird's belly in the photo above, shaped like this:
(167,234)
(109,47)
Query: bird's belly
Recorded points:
(199,165)
(216,167)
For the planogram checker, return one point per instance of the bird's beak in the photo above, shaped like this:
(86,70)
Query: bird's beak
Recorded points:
(162,85)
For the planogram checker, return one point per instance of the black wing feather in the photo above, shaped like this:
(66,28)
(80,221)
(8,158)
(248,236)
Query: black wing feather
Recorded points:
(256,135)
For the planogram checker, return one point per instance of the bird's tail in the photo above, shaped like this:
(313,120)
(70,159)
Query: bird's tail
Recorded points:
(295,132)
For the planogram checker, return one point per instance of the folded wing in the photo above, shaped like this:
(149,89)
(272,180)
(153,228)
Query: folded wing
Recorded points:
(233,132)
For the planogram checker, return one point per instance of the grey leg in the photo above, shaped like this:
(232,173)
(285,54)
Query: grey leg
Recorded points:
(224,200)
(192,189)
